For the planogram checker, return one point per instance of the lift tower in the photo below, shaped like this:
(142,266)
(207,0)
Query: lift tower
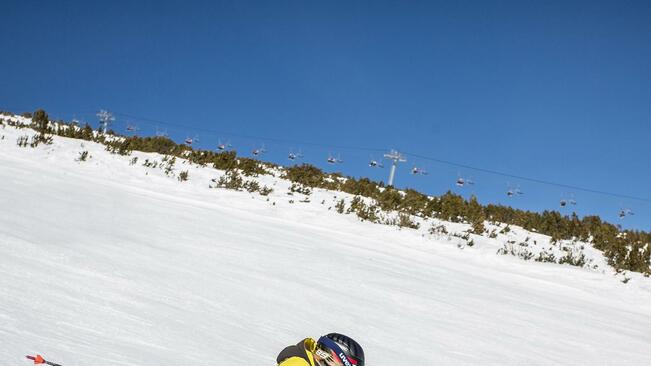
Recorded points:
(396,157)
(105,119)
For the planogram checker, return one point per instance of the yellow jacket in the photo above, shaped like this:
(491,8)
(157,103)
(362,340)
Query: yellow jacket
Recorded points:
(302,354)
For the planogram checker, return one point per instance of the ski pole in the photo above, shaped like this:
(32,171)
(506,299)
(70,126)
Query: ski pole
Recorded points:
(38,359)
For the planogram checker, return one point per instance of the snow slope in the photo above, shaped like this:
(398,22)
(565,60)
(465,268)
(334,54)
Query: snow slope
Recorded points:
(106,263)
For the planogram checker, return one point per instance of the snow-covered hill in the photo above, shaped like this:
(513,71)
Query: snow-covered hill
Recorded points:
(109,262)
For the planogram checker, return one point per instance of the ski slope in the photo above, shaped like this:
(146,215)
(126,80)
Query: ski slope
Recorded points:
(107,263)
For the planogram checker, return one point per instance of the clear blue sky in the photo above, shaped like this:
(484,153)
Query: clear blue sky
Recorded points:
(558,91)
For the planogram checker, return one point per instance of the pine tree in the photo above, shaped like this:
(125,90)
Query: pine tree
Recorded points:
(475,214)
(40,120)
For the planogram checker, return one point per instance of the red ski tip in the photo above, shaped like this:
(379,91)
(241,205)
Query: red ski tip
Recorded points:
(37,360)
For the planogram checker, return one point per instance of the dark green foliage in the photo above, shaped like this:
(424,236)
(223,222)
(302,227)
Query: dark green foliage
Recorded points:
(438,230)
(546,257)
(124,145)
(41,138)
(511,249)
(22,141)
(150,164)
(250,167)
(183,176)
(232,180)
(413,202)
(157,144)
(355,204)
(405,220)
(363,187)
(86,133)
(475,215)
(299,188)
(118,148)
(389,199)
(226,160)
(364,212)
(629,250)
(40,120)
(478,226)
(252,186)
(333,182)
(432,207)
(573,259)
(83,155)
(340,206)
(75,132)
(168,164)
(452,207)
(305,174)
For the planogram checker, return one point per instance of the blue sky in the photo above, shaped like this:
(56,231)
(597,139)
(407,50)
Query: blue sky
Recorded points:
(556,91)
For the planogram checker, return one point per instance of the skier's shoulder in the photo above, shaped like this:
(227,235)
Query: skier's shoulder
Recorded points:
(294,361)
(299,354)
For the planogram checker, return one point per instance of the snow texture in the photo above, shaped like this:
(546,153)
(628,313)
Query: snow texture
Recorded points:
(107,263)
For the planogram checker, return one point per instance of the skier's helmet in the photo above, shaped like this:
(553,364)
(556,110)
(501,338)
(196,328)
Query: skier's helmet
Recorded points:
(341,350)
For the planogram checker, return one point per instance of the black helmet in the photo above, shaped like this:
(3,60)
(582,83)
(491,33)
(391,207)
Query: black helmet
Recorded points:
(349,351)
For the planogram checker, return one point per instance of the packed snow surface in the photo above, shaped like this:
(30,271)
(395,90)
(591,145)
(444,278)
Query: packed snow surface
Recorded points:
(107,263)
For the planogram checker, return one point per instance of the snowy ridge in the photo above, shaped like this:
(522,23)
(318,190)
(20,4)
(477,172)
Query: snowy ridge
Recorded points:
(503,238)
(107,261)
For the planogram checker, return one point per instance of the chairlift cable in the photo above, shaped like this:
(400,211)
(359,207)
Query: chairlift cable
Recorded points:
(528,179)
(252,137)
(372,149)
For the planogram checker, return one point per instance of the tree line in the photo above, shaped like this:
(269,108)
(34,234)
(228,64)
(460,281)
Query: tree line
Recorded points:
(624,249)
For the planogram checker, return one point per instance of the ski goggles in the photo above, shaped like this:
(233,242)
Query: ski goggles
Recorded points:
(330,352)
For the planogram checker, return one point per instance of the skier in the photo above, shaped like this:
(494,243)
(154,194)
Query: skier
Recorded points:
(333,349)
